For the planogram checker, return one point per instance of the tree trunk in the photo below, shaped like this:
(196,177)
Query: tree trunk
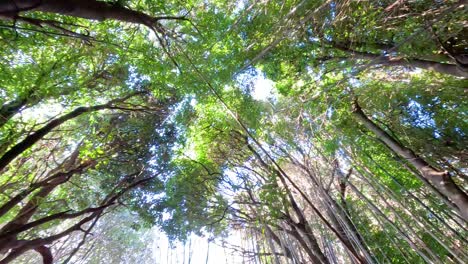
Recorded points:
(440,179)
(18,247)
(304,228)
(10,109)
(65,170)
(338,214)
(312,256)
(445,68)
(377,212)
(315,251)
(28,210)
(46,254)
(88,9)
(283,177)
(287,251)
(30,140)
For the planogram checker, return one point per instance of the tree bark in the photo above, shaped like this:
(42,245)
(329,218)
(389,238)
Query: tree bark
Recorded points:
(440,179)
(9,232)
(445,68)
(58,216)
(87,9)
(377,212)
(46,254)
(82,242)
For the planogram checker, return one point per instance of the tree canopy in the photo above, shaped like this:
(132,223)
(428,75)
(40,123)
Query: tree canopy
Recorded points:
(121,117)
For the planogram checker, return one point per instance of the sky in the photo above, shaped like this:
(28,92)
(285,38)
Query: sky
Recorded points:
(263,88)
(198,253)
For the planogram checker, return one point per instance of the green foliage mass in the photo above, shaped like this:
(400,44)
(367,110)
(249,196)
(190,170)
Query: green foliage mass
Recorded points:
(178,110)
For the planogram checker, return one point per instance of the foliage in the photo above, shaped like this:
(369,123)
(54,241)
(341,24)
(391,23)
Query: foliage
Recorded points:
(140,124)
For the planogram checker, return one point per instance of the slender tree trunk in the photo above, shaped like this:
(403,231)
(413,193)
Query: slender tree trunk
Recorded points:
(312,256)
(190,250)
(302,225)
(408,227)
(207,251)
(343,225)
(283,176)
(56,176)
(304,228)
(338,215)
(415,220)
(272,247)
(436,229)
(445,68)
(29,209)
(183,253)
(272,235)
(440,179)
(378,212)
